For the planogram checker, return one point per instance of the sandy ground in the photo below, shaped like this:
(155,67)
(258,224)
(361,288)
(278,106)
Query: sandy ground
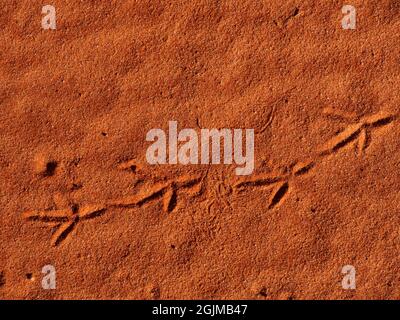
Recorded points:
(76,191)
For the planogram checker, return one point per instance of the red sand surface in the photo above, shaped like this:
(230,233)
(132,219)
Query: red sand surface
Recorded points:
(77,102)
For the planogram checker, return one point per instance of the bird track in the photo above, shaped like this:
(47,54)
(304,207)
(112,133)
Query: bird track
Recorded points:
(358,131)
(69,218)
(280,183)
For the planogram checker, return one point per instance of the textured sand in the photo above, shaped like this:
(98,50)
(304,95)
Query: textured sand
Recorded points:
(76,104)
